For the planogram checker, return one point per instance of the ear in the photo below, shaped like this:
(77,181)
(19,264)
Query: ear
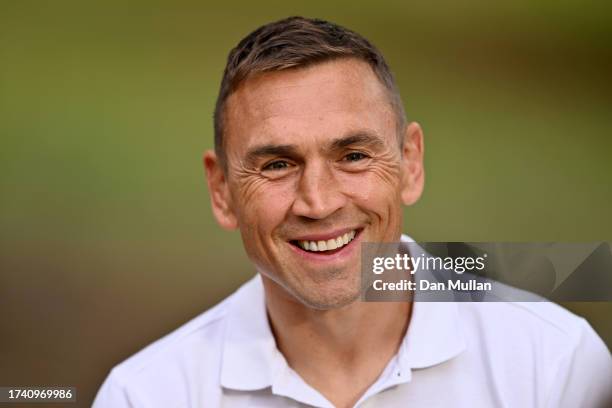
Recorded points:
(220,197)
(413,171)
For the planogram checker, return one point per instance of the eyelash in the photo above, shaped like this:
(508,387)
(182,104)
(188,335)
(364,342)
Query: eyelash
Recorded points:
(362,156)
(270,166)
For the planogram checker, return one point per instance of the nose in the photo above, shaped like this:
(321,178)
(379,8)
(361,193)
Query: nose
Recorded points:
(319,194)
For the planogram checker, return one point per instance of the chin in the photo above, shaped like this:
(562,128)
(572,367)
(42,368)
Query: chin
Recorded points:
(329,298)
(319,290)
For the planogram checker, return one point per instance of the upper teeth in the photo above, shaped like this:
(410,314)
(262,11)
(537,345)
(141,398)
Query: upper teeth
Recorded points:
(328,245)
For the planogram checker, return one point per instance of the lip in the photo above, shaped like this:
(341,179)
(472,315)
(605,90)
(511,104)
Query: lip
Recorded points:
(336,256)
(327,235)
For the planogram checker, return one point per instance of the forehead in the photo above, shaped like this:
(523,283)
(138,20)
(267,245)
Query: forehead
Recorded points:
(321,100)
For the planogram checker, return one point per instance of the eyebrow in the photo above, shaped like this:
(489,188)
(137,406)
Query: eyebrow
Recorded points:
(361,137)
(270,150)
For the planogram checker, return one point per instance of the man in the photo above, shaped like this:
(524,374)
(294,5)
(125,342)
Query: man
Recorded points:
(313,156)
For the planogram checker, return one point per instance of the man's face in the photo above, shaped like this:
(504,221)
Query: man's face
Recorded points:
(314,168)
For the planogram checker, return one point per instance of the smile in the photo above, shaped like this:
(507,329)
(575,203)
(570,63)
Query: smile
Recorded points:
(329,244)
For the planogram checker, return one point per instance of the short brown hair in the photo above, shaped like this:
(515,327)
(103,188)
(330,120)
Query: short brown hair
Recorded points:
(297,42)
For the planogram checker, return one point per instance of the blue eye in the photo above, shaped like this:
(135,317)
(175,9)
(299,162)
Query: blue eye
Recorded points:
(276,165)
(355,156)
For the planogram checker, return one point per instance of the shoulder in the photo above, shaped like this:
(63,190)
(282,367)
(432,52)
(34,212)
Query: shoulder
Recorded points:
(536,323)
(188,356)
(202,330)
(541,316)
(542,345)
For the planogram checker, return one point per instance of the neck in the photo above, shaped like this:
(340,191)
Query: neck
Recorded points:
(340,349)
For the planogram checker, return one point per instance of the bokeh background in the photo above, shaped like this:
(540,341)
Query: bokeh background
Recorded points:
(106,237)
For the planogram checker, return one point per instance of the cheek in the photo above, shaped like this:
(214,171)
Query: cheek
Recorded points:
(377,192)
(378,184)
(262,204)
(383,200)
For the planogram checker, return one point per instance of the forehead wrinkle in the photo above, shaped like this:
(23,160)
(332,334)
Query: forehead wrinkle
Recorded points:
(307,106)
(270,117)
(264,96)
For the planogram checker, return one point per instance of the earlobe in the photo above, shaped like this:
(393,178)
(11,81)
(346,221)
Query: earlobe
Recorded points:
(218,188)
(413,171)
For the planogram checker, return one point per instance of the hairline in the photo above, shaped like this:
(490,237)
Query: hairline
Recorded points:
(392,95)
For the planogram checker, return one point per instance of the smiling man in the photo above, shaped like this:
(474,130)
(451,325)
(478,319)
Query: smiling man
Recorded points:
(313,156)
(312,164)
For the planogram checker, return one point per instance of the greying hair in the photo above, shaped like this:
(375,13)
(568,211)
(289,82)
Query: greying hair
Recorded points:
(298,42)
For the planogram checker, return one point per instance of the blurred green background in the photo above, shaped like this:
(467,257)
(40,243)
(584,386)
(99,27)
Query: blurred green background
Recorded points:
(106,237)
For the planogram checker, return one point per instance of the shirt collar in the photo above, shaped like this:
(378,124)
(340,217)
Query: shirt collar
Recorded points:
(250,357)
(434,333)
(251,360)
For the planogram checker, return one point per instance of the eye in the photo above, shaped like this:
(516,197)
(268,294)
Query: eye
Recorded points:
(276,165)
(355,156)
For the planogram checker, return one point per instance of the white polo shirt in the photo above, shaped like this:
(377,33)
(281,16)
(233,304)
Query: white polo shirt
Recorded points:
(453,355)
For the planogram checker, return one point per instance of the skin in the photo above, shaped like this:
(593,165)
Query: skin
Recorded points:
(312,152)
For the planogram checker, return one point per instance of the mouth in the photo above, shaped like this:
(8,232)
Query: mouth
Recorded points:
(324,245)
